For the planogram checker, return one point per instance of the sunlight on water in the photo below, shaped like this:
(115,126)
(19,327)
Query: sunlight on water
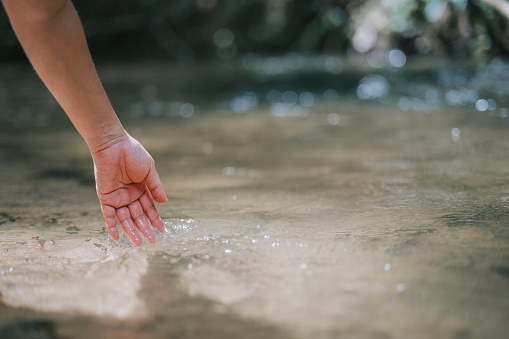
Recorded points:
(303,210)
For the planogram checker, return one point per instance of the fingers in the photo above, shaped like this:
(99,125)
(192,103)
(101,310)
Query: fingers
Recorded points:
(124,218)
(151,212)
(132,217)
(141,222)
(155,187)
(111,223)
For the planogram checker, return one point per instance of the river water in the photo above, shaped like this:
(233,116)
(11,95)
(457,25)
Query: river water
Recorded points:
(359,212)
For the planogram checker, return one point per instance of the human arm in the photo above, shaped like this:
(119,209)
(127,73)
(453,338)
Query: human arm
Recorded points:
(126,179)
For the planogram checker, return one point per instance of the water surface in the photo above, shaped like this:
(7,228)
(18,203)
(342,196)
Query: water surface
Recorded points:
(340,219)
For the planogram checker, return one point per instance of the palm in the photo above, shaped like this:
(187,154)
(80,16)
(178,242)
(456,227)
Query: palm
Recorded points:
(126,183)
(118,182)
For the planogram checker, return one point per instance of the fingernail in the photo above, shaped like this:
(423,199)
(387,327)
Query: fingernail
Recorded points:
(160,226)
(136,241)
(113,233)
(150,237)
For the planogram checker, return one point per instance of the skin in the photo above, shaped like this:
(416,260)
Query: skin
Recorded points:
(127,182)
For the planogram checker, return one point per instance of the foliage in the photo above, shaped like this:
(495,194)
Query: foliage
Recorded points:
(185,30)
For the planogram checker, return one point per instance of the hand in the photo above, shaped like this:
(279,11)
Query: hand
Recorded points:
(126,182)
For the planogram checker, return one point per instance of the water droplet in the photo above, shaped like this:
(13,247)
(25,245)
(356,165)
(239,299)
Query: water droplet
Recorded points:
(431,96)
(373,87)
(186,110)
(307,99)
(330,94)
(397,58)
(6,270)
(334,119)
(481,105)
(387,267)
(229,170)
(289,98)
(244,102)
(274,96)
(404,104)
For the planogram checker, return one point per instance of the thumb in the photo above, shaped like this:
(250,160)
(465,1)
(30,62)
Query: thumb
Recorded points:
(154,185)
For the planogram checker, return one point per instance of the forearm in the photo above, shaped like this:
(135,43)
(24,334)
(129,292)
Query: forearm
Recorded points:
(53,39)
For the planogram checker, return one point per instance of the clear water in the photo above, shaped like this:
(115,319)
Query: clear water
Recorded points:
(327,220)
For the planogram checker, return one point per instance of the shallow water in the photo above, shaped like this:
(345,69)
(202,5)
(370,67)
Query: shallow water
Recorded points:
(363,221)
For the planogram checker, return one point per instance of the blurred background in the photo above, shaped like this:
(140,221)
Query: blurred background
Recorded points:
(187,31)
(192,56)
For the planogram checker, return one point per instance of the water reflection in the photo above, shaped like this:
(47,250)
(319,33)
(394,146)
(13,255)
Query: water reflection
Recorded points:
(299,202)
(244,102)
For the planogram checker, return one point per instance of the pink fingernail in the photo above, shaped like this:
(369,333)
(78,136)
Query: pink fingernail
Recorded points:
(150,236)
(136,241)
(159,227)
(113,232)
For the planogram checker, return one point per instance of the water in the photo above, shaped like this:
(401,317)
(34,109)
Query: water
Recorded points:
(330,219)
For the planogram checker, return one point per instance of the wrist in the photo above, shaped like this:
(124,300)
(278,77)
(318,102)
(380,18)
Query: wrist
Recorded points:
(105,136)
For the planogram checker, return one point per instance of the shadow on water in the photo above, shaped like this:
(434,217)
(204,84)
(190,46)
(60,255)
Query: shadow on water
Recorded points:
(175,314)
(33,329)
(6,218)
(172,314)
(503,271)
(491,217)
(186,317)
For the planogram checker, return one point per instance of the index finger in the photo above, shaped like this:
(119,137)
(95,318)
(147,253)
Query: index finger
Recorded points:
(154,185)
